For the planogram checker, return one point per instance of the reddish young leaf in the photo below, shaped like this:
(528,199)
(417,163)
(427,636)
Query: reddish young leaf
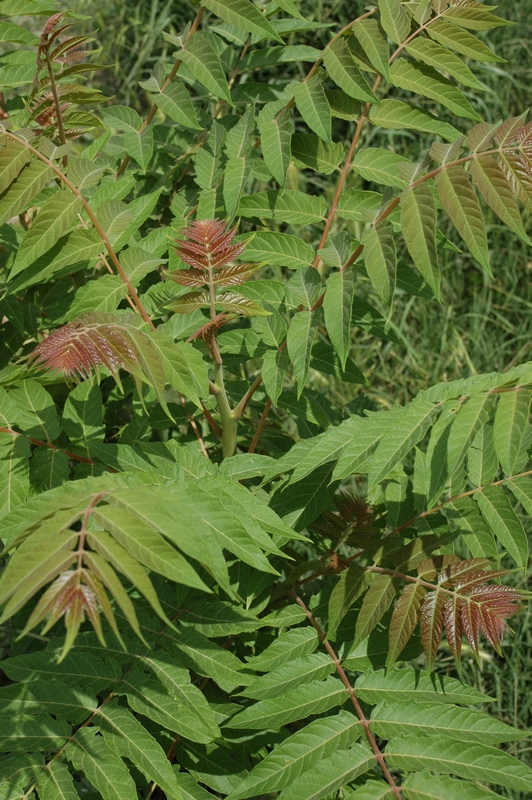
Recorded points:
(452,621)
(431,624)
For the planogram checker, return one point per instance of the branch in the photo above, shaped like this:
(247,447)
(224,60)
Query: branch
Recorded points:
(90,213)
(349,689)
(260,426)
(51,446)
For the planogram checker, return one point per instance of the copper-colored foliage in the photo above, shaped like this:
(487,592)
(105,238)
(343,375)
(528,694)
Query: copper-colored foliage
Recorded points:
(354,523)
(464,603)
(85,344)
(208,244)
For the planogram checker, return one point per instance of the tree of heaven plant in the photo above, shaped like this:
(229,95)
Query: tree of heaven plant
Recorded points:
(216,582)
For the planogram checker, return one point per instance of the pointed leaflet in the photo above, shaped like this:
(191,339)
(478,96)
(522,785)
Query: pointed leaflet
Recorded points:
(13,157)
(126,737)
(474,17)
(298,672)
(380,259)
(427,786)
(201,58)
(414,686)
(312,104)
(394,20)
(462,41)
(275,135)
(208,659)
(349,587)
(427,82)
(15,471)
(510,429)
(55,782)
(41,732)
(381,166)
(404,620)
(460,202)
(439,57)
(288,646)
(147,546)
(478,537)
(311,698)
(301,335)
(494,186)
(325,777)
(399,439)
(337,307)
(244,15)
(289,206)
(373,43)
(342,69)
(20,194)
(278,248)
(465,724)
(52,222)
(482,460)
(440,754)
(309,151)
(506,525)
(184,367)
(419,223)
(397,115)
(236,174)
(472,415)
(274,366)
(290,759)
(376,603)
(89,754)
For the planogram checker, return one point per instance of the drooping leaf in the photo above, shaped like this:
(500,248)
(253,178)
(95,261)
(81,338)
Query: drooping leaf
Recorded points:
(380,259)
(510,429)
(427,82)
(504,522)
(201,58)
(419,225)
(88,753)
(394,20)
(396,114)
(312,104)
(413,686)
(341,67)
(376,603)
(244,15)
(373,43)
(287,205)
(301,335)
(275,135)
(337,307)
(404,619)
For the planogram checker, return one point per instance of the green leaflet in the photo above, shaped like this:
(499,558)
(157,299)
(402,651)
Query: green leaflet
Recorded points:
(299,703)
(394,19)
(33,733)
(312,104)
(473,413)
(301,335)
(373,43)
(510,429)
(278,248)
(460,203)
(449,35)
(494,186)
(376,603)
(337,307)
(318,740)
(410,685)
(464,724)
(236,174)
(482,461)
(327,776)
(380,259)
(419,225)
(476,18)
(399,439)
(126,737)
(404,620)
(13,157)
(208,659)
(36,413)
(289,645)
(14,466)
(504,522)
(380,165)
(55,782)
(54,697)
(174,100)
(439,57)
(88,753)
(244,15)
(427,786)
(28,184)
(274,366)
(396,115)
(201,58)
(350,585)
(300,671)
(465,760)
(53,220)
(287,205)
(275,136)
(478,537)
(341,67)
(310,151)
(427,82)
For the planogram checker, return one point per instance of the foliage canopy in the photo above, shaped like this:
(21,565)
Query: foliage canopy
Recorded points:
(217,583)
